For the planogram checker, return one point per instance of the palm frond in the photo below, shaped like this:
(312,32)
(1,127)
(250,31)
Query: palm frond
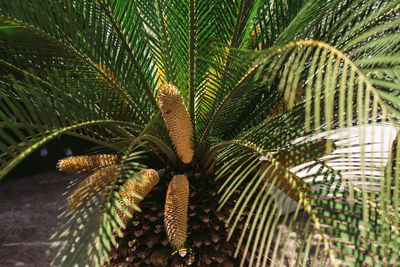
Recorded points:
(291,104)
(54,55)
(337,95)
(133,48)
(272,18)
(91,229)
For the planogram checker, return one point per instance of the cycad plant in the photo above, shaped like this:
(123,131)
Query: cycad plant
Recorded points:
(228,132)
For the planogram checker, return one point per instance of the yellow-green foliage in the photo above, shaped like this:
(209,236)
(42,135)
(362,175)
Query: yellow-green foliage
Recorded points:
(141,187)
(177,121)
(176,210)
(91,186)
(86,164)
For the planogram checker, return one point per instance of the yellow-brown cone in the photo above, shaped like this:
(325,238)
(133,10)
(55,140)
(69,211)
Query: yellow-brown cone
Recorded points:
(177,120)
(149,179)
(86,164)
(91,186)
(176,210)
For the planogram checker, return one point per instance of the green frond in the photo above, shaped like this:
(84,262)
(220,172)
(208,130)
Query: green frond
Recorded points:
(28,119)
(256,201)
(337,195)
(18,152)
(91,229)
(293,105)
(133,47)
(93,54)
(272,18)
(336,95)
(166,23)
(157,134)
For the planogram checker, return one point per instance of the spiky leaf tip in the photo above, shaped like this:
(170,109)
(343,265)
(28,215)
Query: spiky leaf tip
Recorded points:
(177,120)
(86,164)
(176,210)
(149,178)
(91,186)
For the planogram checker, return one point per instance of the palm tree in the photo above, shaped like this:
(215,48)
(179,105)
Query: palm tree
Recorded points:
(246,132)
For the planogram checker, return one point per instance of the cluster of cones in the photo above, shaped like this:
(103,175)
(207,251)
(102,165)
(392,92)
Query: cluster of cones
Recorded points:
(103,170)
(176,234)
(145,242)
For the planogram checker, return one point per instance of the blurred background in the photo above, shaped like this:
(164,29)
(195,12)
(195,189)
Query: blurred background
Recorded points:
(46,158)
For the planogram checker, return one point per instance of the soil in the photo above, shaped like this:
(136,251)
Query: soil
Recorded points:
(28,215)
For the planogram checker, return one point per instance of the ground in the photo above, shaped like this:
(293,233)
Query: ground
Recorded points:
(28,214)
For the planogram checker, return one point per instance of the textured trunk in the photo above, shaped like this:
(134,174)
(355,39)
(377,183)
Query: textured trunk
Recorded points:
(145,243)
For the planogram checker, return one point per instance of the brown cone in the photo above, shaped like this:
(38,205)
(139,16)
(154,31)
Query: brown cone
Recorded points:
(176,210)
(177,120)
(149,179)
(86,164)
(91,186)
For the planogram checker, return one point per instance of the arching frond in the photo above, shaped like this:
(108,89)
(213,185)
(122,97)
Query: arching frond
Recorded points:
(337,95)
(91,229)
(293,106)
